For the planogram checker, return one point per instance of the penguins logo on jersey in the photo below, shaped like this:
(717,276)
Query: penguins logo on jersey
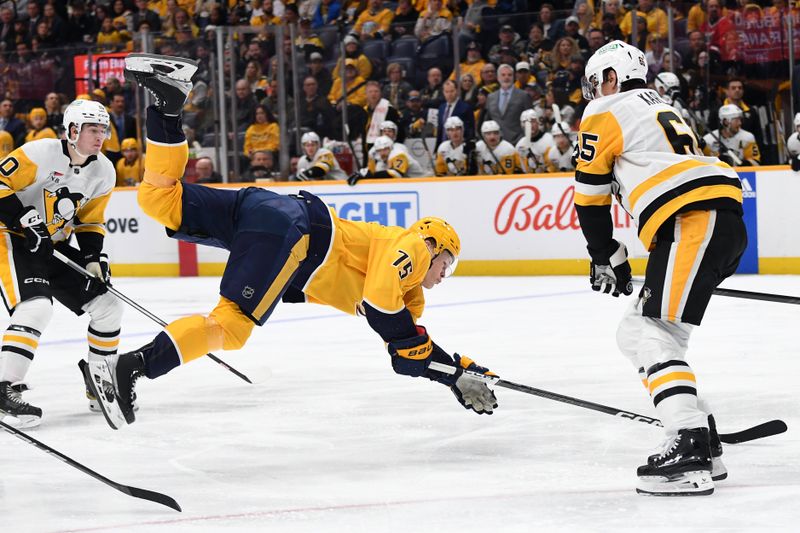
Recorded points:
(60,206)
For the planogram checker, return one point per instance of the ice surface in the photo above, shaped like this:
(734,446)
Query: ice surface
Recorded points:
(330,439)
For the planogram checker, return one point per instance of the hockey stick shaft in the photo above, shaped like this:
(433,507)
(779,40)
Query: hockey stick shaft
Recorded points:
(767,429)
(78,268)
(143,494)
(749,295)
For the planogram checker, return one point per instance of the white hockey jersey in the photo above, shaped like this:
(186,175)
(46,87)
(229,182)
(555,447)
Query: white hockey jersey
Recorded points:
(743,144)
(68,198)
(638,148)
(325,160)
(793,144)
(557,161)
(450,161)
(504,159)
(401,164)
(531,152)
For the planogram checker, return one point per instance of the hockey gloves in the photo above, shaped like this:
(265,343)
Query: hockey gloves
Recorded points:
(355,176)
(37,237)
(612,275)
(412,356)
(470,392)
(100,279)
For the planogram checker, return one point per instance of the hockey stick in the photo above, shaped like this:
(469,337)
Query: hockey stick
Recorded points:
(722,147)
(143,494)
(761,431)
(75,266)
(749,295)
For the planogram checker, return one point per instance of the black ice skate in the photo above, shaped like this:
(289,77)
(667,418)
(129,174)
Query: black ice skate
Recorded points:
(129,368)
(168,79)
(14,411)
(682,469)
(718,470)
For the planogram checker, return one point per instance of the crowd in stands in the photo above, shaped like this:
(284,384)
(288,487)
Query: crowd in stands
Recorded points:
(510,103)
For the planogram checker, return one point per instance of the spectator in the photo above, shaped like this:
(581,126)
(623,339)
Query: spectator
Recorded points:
(432,92)
(655,55)
(307,41)
(489,78)
(377,110)
(414,122)
(396,88)
(453,106)
(697,46)
(39,128)
(55,118)
(473,64)
(326,14)
(123,124)
(610,7)
(108,39)
(505,105)
(263,134)
(508,39)
(585,15)
(405,19)
(143,13)
(57,28)
(454,156)
(264,15)
(204,168)
(317,163)
(8,33)
(596,38)
(565,51)
(468,91)
(352,51)
(493,154)
(262,168)
(641,32)
(6,144)
(272,103)
(433,22)
(319,72)
(245,105)
(355,85)
(559,157)
(255,78)
(35,16)
(480,106)
(374,21)
(553,29)
(537,48)
(522,75)
(473,20)
(610,28)
(572,29)
(8,122)
(130,167)
(316,113)
(655,16)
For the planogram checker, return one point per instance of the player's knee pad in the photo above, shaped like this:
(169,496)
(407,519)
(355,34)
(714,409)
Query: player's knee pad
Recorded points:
(662,341)
(629,332)
(105,312)
(234,325)
(34,313)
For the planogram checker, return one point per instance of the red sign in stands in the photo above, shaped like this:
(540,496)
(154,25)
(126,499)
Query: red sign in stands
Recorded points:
(104,66)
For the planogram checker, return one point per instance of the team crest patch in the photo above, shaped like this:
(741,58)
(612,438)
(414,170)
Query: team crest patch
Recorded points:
(61,206)
(248,292)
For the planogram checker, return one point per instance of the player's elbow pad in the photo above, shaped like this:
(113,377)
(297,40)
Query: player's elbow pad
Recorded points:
(412,356)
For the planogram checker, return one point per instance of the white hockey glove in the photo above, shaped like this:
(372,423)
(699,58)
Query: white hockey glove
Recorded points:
(97,266)
(613,276)
(470,392)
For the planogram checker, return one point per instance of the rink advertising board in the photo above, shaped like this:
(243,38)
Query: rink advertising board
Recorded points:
(518,225)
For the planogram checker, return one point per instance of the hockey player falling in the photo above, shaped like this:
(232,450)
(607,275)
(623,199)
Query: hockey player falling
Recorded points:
(688,209)
(290,248)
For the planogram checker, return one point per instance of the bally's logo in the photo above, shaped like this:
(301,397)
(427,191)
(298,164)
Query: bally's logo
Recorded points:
(399,208)
(60,206)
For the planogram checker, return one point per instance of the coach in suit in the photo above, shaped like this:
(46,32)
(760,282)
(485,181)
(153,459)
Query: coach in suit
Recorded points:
(506,104)
(454,107)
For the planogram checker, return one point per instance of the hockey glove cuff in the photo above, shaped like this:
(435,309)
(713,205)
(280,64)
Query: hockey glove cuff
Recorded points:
(613,275)
(412,356)
(37,237)
(97,266)
(469,391)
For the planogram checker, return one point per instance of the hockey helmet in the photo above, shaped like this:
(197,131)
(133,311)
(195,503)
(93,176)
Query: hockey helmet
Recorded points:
(309,137)
(529,115)
(490,126)
(453,123)
(443,234)
(129,144)
(560,128)
(668,86)
(627,61)
(383,142)
(81,112)
(729,112)
(388,125)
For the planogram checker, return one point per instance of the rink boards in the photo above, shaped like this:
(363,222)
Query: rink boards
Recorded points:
(516,225)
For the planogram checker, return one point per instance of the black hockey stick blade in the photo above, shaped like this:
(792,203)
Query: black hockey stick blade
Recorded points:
(767,429)
(143,494)
(225,365)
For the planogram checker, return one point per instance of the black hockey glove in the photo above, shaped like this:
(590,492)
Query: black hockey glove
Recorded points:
(100,279)
(469,391)
(612,275)
(795,162)
(355,176)
(37,237)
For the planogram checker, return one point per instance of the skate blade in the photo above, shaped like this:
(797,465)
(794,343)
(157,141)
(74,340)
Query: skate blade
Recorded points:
(182,69)
(21,421)
(718,470)
(109,407)
(688,484)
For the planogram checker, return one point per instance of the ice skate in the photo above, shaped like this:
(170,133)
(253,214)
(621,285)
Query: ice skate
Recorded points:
(125,369)
(14,411)
(94,405)
(97,374)
(168,79)
(682,469)
(718,470)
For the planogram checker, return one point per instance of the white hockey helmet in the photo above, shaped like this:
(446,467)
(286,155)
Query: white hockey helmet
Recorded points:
(797,122)
(729,112)
(383,142)
(309,137)
(81,112)
(388,125)
(668,86)
(529,115)
(490,126)
(452,123)
(560,128)
(627,61)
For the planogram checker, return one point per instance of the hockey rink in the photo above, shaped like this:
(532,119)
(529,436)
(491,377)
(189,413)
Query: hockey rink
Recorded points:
(330,439)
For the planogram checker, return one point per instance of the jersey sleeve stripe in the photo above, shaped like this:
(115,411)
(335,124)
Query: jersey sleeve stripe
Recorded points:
(594,199)
(593,179)
(593,190)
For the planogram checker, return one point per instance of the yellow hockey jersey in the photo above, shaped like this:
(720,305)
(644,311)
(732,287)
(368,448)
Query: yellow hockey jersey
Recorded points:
(325,160)
(503,159)
(638,148)
(742,143)
(67,197)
